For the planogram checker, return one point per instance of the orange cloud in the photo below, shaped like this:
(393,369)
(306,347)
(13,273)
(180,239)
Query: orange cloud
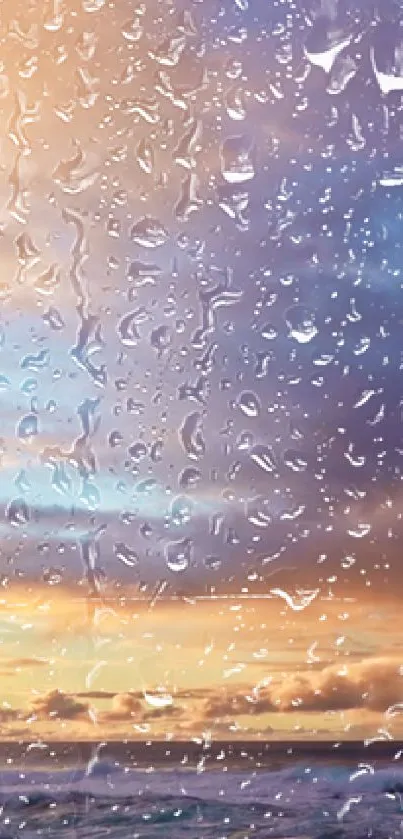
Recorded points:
(58,705)
(24,663)
(223,705)
(373,684)
(95,694)
(172,711)
(125,706)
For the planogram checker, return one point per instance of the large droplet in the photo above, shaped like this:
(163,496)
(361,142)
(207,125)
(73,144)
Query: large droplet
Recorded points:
(125,554)
(191,436)
(387,57)
(263,457)
(145,156)
(181,510)
(236,160)
(17,512)
(301,324)
(138,451)
(249,404)
(325,43)
(52,576)
(178,555)
(28,427)
(149,233)
(189,478)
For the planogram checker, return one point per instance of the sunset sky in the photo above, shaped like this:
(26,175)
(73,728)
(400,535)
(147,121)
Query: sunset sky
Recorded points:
(206,668)
(200,370)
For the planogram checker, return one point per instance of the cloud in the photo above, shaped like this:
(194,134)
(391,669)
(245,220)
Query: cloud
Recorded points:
(371,684)
(24,663)
(125,706)
(192,693)
(9,666)
(96,694)
(130,705)
(364,690)
(59,705)
(374,684)
(9,714)
(224,704)
(171,711)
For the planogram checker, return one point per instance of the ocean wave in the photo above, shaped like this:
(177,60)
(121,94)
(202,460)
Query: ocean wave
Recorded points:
(318,802)
(105,778)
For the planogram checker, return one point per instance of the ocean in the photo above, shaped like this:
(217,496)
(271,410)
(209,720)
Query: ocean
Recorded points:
(311,799)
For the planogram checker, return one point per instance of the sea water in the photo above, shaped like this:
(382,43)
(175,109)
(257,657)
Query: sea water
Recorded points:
(306,801)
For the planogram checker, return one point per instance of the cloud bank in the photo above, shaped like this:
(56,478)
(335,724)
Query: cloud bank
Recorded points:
(374,684)
(371,686)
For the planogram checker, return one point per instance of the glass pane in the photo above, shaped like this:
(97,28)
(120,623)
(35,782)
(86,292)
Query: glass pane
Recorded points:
(200,367)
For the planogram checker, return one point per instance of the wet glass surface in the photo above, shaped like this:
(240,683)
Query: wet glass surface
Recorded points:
(201,419)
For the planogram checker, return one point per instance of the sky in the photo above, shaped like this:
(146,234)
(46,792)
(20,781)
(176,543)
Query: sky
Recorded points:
(200,369)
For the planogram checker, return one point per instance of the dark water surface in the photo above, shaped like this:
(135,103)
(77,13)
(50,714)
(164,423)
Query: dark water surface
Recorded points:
(321,795)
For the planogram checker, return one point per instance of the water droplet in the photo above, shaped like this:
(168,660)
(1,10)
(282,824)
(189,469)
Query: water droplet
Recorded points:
(90,495)
(213,563)
(29,386)
(258,512)
(53,319)
(245,441)
(147,486)
(296,461)
(325,43)
(149,233)
(92,6)
(35,362)
(270,333)
(61,481)
(189,478)
(145,156)
(128,327)
(133,29)
(22,482)
(4,383)
(160,338)
(301,324)
(191,436)
(28,427)
(115,439)
(394,710)
(52,576)
(386,56)
(298,601)
(156,451)
(181,510)
(344,69)
(249,404)
(236,160)
(49,281)
(17,512)
(263,456)
(178,555)
(359,532)
(158,699)
(234,103)
(125,554)
(138,451)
